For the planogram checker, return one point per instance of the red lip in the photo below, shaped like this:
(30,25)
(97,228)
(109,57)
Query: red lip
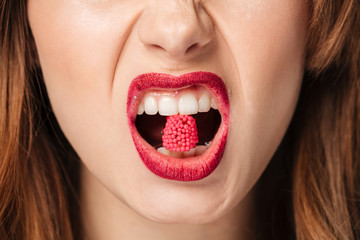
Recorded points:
(186,169)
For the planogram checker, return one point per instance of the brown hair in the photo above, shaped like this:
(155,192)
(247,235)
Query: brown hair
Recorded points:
(326,181)
(35,192)
(32,194)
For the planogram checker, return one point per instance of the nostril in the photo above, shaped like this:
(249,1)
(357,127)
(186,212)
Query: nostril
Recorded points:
(175,51)
(191,48)
(157,47)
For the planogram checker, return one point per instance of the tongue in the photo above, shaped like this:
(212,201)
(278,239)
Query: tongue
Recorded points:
(180,133)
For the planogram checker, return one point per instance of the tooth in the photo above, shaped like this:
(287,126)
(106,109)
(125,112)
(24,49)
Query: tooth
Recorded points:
(189,153)
(168,106)
(188,104)
(175,154)
(200,149)
(164,151)
(141,108)
(204,103)
(150,105)
(213,104)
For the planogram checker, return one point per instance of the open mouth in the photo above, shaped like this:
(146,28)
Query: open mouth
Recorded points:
(156,100)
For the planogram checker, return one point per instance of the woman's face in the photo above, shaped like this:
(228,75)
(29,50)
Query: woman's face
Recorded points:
(92,51)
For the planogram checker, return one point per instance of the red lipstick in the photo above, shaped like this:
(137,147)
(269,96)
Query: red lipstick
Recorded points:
(181,169)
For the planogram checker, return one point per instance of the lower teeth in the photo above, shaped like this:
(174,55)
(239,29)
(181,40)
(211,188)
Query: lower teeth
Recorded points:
(196,151)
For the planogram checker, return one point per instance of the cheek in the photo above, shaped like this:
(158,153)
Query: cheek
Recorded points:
(78,47)
(271,67)
(268,47)
(269,52)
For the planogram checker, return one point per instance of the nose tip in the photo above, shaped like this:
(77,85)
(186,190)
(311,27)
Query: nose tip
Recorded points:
(179,32)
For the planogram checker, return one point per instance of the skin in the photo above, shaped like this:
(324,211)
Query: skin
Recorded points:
(91,50)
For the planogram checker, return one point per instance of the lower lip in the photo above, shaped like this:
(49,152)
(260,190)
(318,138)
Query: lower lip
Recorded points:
(185,169)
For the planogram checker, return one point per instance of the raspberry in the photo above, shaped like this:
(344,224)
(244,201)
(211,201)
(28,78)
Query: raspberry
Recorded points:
(180,133)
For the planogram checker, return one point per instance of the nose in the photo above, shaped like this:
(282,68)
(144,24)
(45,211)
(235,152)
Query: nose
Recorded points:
(179,28)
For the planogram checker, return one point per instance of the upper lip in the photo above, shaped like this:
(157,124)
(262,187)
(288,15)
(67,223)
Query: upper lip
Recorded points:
(172,168)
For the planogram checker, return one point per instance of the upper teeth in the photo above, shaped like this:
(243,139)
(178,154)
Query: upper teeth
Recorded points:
(167,105)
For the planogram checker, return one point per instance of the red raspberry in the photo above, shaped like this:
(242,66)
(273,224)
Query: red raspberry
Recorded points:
(180,133)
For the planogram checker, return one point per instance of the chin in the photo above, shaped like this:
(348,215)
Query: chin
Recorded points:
(178,215)
(180,205)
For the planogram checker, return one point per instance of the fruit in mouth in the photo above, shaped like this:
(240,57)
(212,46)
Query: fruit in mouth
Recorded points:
(194,102)
(180,133)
